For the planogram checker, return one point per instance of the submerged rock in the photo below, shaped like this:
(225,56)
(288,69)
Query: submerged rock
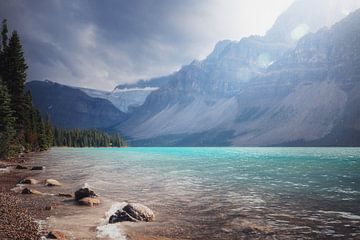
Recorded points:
(89,201)
(83,193)
(20,167)
(29,181)
(133,212)
(68,195)
(30,191)
(52,182)
(49,207)
(38,168)
(56,235)
(121,216)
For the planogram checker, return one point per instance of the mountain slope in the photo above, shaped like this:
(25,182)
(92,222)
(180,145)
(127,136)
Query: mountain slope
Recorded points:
(262,90)
(69,107)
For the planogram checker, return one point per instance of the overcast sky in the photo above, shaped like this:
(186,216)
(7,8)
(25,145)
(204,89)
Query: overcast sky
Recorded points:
(99,44)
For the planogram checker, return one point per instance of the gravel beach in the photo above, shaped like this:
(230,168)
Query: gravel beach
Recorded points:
(21,215)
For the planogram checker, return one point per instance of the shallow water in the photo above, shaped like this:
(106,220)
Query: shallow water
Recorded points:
(213,193)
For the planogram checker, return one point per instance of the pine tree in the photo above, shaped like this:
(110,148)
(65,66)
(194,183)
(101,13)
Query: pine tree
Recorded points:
(8,145)
(4,35)
(49,133)
(14,75)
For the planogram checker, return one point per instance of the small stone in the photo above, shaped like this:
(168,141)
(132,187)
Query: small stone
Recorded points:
(48,208)
(52,182)
(38,168)
(68,195)
(56,235)
(20,167)
(30,191)
(29,181)
(89,201)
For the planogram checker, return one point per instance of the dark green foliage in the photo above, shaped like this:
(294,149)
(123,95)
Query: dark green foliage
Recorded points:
(21,126)
(14,75)
(86,138)
(8,144)
(4,37)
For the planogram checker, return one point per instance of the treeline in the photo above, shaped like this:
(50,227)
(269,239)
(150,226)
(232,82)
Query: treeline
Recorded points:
(21,126)
(86,138)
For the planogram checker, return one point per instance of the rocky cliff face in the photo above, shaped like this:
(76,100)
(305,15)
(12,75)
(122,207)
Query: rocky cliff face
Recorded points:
(297,85)
(263,90)
(71,108)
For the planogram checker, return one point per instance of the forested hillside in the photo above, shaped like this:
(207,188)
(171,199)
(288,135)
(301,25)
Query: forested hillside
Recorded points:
(22,128)
(86,138)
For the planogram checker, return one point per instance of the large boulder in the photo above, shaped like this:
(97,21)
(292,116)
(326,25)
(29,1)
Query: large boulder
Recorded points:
(83,193)
(52,182)
(133,212)
(89,201)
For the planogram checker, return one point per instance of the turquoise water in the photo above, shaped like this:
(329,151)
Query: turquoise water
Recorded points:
(222,193)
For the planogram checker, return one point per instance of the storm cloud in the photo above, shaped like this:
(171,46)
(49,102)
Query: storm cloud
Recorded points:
(100,44)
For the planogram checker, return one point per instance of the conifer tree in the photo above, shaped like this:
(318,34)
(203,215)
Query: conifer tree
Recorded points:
(8,146)
(4,36)
(14,75)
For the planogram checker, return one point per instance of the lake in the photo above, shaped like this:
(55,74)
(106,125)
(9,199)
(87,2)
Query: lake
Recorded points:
(212,193)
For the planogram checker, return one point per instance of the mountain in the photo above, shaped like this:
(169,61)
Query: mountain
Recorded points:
(69,107)
(271,90)
(126,97)
(296,86)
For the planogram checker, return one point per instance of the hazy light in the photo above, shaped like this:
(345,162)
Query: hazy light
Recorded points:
(345,12)
(244,74)
(300,31)
(264,60)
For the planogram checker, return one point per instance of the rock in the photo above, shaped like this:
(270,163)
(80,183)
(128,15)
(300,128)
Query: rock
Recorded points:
(253,228)
(89,201)
(83,193)
(20,167)
(121,216)
(68,195)
(38,168)
(133,212)
(52,182)
(56,235)
(30,191)
(48,208)
(29,181)
(139,212)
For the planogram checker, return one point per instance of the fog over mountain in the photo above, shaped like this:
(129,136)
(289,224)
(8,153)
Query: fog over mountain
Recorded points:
(296,85)
(99,44)
(254,92)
